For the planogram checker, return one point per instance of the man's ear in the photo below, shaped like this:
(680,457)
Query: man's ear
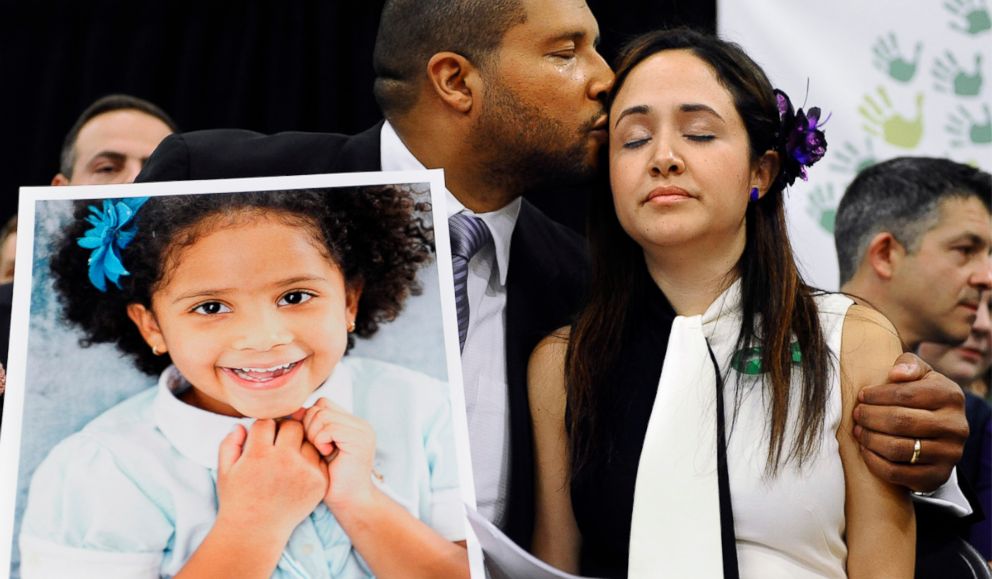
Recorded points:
(883,254)
(145,320)
(765,172)
(454,79)
(59,180)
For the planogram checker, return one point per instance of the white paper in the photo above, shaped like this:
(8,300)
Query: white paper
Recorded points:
(505,559)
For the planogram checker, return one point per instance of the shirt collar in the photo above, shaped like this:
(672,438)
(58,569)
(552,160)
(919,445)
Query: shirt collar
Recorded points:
(396,157)
(197,433)
(501,223)
(393,154)
(727,307)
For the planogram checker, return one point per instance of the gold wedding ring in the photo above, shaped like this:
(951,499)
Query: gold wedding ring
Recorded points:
(917,447)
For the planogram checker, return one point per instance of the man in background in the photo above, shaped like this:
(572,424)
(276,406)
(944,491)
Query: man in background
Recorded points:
(8,243)
(913,241)
(8,239)
(111,140)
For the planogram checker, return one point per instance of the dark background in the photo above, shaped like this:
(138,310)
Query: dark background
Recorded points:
(263,65)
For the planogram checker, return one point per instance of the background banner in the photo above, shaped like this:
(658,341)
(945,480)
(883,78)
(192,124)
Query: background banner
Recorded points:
(895,78)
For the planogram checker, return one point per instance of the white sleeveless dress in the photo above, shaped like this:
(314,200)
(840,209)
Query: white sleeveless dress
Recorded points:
(789,525)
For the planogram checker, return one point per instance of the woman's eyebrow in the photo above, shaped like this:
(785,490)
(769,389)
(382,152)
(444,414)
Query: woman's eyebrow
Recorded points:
(699,108)
(634,110)
(686,108)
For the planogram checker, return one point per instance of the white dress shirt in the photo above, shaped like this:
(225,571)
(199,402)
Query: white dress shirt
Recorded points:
(484,354)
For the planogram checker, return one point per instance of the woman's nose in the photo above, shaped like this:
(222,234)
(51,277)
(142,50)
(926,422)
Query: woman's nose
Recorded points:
(666,161)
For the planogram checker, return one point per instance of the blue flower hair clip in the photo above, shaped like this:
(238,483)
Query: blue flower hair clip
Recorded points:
(801,136)
(113,229)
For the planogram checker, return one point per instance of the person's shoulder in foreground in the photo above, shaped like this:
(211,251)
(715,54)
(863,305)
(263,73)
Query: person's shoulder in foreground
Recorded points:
(235,153)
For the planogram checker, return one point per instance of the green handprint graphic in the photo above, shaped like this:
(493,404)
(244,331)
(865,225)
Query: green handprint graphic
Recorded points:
(947,73)
(886,123)
(964,130)
(971,16)
(852,161)
(888,60)
(823,206)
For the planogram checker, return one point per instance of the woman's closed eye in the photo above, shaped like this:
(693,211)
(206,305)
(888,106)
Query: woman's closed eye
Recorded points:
(636,139)
(296,297)
(700,138)
(211,309)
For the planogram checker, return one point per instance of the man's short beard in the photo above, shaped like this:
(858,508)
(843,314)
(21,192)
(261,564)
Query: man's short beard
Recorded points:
(522,149)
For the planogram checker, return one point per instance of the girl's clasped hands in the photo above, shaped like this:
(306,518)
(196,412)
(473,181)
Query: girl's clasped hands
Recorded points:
(275,473)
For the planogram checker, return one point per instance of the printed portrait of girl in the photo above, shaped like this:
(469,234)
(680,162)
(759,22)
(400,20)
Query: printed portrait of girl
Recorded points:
(265,450)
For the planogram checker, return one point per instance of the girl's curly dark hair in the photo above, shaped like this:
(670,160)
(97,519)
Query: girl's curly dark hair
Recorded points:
(373,234)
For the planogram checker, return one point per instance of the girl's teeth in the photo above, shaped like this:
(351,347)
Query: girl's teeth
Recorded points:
(272,369)
(263,374)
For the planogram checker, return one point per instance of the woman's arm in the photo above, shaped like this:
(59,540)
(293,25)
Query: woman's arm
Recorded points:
(556,535)
(881,527)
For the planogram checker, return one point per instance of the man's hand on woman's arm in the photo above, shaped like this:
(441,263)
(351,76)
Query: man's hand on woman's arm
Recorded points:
(916,404)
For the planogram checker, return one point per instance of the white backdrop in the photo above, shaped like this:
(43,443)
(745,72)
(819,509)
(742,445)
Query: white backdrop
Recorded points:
(896,77)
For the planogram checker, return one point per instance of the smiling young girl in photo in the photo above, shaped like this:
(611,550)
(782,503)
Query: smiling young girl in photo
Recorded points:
(262,452)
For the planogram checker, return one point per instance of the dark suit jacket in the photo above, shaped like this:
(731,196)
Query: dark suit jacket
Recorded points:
(974,468)
(548,262)
(941,548)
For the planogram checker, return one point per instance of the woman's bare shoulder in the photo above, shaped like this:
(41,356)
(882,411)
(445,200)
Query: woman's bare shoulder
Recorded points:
(869,345)
(552,347)
(546,370)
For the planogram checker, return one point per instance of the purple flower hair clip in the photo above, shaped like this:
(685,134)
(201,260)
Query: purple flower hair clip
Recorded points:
(801,137)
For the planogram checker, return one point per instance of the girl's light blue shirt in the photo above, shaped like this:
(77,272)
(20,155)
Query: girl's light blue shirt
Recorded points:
(133,494)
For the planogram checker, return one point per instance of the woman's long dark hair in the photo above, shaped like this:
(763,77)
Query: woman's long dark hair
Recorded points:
(776,303)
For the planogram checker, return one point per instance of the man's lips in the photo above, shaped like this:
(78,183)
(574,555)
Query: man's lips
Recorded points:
(599,129)
(600,123)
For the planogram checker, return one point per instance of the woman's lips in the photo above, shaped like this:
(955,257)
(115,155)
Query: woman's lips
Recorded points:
(667,195)
(970,354)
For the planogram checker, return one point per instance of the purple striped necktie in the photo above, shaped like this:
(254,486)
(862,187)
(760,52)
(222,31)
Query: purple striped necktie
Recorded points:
(468,235)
